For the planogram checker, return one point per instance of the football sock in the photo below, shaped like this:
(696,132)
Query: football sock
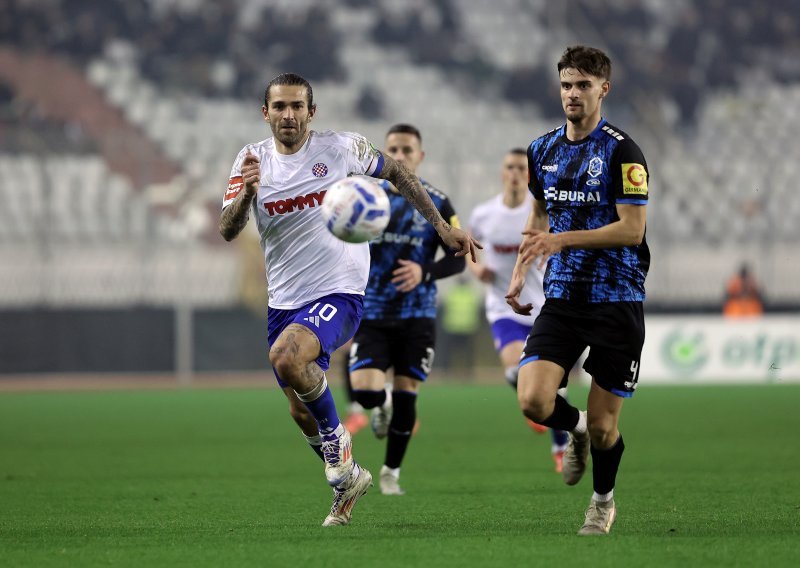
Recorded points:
(564,416)
(511,376)
(582,425)
(346,377)
(605,464)
(401,427)
(319,402)
(316,444)
(560,438)
(370,398)
(603,498)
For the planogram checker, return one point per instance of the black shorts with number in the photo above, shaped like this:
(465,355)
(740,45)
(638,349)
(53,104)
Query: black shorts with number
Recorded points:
(403,344)
(613,331)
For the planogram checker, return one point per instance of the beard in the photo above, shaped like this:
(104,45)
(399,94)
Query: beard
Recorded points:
(575,116)
(289,137)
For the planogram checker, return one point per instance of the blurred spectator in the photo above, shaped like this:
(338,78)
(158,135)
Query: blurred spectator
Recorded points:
(461,319)
(743,295)
(369,104)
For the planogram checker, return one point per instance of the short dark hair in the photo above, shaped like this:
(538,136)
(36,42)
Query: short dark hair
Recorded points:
(405,129)
(518,152)
(587,60)
(290,79)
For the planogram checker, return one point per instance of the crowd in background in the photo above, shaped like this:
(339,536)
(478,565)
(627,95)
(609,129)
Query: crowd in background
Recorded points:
(677,54)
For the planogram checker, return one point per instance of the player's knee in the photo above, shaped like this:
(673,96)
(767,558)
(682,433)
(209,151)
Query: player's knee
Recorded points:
(286,364)
(535,407)
(602,431)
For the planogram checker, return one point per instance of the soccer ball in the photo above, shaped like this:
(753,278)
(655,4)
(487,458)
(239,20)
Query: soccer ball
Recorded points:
(356,209)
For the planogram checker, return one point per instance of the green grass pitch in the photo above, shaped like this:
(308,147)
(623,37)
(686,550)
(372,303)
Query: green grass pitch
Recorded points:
(711,476)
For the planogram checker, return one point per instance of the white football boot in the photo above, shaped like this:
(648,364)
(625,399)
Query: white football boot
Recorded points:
(575,457)
(347,495)
(381,417)
(389,482)
(599,518)
(338,455)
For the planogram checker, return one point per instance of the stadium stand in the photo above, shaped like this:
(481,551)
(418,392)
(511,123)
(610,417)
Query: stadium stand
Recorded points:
(123,179)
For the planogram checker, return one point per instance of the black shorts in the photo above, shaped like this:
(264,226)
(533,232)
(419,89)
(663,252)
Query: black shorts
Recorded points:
(403,344)
(613,331)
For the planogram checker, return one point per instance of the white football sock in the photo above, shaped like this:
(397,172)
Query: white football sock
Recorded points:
(580,427)
(603,498)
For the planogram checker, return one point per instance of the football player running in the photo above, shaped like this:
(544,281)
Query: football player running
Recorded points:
(316,281)
(589,183)
(399,323)
(498,223)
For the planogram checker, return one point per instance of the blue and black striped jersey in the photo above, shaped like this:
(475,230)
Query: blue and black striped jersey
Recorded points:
(581,183)
(408,236)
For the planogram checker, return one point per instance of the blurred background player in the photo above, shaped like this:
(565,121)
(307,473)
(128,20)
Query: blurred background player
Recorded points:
(313,312)
(399,323)
(356,419)
(589,182)
(499,223)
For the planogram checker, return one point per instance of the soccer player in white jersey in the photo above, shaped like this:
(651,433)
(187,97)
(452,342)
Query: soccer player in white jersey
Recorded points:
(316,281)
(499,223)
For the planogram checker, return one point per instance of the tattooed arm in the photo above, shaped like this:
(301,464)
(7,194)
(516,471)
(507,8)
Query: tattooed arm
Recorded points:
(409,187)
(234,217)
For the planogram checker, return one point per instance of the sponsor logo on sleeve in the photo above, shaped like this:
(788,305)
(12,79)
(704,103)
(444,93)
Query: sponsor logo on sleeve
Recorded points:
(454,222)
(235,185)
(634,179)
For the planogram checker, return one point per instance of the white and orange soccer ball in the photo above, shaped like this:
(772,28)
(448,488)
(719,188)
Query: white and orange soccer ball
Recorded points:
(356,209)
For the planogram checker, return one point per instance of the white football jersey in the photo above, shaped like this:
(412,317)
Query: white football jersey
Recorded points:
(499,228)
(304,260)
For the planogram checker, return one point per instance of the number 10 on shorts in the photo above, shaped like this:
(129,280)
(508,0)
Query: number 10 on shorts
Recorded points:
(325,313)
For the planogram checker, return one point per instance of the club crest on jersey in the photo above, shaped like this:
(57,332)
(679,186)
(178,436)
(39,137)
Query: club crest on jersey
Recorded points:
(319,170)
(595,167)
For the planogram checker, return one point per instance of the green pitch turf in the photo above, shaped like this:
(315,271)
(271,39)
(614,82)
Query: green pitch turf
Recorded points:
(711,476)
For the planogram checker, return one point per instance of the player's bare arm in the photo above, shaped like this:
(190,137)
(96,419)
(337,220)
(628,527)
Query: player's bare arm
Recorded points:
(235,216)
(627,231)
(537,222)
(481,271)
(409,187)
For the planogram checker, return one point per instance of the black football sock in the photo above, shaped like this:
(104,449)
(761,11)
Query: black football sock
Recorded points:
(564,417)
(347,384)
(605,464)
(401,427)
(369,398)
